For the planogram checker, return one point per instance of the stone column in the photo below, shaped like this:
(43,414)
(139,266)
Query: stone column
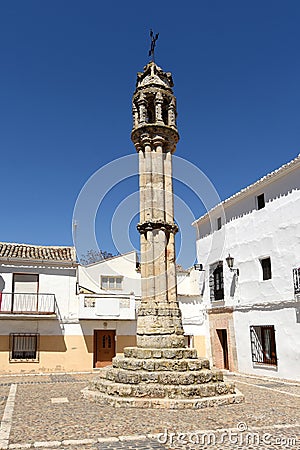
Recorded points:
(158,108)
(143,242)
(160,267)
(172,113)
(148,208)
(142,109)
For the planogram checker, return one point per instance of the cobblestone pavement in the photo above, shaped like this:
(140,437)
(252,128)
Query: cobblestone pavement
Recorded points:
(49,412)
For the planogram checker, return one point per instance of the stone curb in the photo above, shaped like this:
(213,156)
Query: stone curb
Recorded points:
(262,378)
(71,442)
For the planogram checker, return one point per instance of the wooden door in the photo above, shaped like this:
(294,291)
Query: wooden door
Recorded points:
(104,347)
(222,334)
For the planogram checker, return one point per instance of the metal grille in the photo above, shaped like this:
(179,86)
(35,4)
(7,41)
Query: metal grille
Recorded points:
(218,283)
(24,347)
(296,277)
(263,345)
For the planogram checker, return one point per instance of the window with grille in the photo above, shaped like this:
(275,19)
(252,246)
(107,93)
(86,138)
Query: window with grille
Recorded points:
(218,283)
(266,268)
(111,282)
(24,347)
(263,344)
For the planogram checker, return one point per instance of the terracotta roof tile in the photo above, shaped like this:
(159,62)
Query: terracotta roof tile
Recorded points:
(28,251)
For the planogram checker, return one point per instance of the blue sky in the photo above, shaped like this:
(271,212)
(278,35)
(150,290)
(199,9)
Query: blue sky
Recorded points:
(67,74)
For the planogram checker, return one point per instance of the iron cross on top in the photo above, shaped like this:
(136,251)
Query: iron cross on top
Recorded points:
(153,43)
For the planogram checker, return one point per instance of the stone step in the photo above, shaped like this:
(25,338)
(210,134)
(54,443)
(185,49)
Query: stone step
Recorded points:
(166,353)
(159,364)
(163,377)
(158,390)
(167,403)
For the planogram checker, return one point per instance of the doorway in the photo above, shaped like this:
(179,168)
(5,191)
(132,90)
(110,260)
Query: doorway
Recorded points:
(104,347)
(222,335)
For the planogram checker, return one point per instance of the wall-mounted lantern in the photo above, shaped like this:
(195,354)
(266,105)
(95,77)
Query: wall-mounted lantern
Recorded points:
(199,267)
(230,262)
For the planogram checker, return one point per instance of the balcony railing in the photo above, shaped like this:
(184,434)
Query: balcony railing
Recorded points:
(12,303)
(296,276)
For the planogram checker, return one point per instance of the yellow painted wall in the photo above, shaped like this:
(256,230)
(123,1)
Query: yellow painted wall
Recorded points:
(125,341)
(200,345)
(59,354)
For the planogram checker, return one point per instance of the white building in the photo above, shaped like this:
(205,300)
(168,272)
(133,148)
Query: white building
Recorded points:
(109,292)
(38,305)
(253,308)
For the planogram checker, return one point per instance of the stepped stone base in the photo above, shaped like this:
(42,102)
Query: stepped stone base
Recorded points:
(161,378)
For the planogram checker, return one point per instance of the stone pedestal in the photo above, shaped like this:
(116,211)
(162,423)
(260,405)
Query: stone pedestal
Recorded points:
(162,378)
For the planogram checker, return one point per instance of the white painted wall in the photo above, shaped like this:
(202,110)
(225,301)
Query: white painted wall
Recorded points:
(46,327)
(124,265)
(188,282)
(57,280)
(250,235)
(87,327)
(287,335)
(272,231)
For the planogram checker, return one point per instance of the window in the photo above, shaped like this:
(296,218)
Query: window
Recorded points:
(263,345)
(219,223)
(266,268)
(24,347)
(189,340)
(25,283)
(296,276)
(260,199)
(111,282)
(216,281)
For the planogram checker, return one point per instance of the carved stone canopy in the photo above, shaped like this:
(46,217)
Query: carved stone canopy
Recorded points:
(155,76)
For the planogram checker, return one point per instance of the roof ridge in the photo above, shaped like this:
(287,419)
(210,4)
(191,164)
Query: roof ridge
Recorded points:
(36,245)
(256,183)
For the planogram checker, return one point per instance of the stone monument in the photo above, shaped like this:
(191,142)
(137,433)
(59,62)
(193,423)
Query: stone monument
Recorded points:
(159,371)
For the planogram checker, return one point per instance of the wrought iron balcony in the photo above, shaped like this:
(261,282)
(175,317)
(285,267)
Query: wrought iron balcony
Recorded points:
(34,304)
(296,276)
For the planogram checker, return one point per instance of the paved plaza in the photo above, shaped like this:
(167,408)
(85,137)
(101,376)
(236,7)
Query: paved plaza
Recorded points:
(49,412)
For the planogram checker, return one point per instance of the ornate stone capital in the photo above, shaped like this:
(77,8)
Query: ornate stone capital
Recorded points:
(168,133)
(157,225)
(158,141)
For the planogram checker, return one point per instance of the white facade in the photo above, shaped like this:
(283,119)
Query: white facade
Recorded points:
(126,266)
(38,305)
(265,243)
(58,280)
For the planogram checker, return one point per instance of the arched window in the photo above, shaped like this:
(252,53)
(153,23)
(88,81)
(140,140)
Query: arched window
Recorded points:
(164,112)
(150,116)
